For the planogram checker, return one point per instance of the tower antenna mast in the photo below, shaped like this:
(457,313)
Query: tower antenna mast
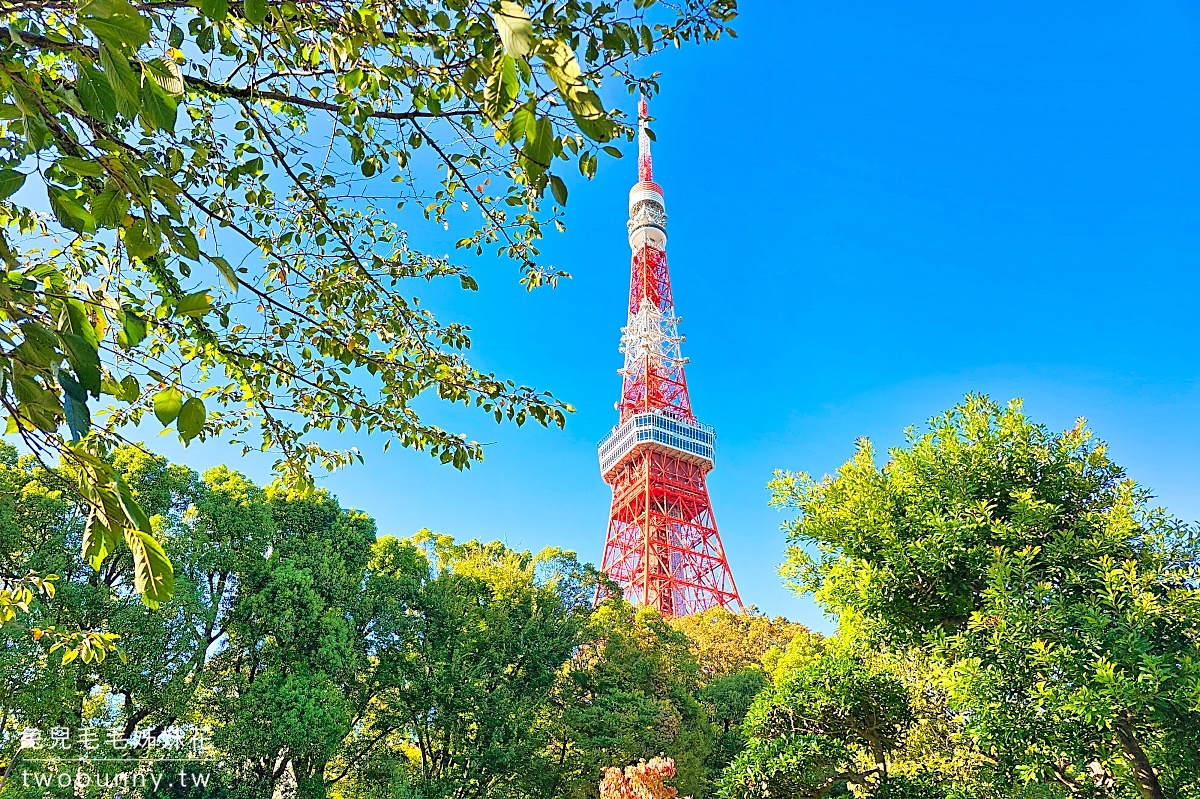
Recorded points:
(662,546)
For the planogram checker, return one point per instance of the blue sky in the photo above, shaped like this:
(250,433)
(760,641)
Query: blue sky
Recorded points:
(874,209)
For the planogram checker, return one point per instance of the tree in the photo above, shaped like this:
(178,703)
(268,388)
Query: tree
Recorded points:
(295,651)
(628,694)
(836,720)
(733,651)
(727,700)
(320,656)
(161,653)
(468,670)
(725,642)
(31,501)
(218,249)
(803,647)
(1066,608)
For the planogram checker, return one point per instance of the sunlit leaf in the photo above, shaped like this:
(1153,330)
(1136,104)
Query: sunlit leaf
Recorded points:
(167,404)
(192,416)
(513,25)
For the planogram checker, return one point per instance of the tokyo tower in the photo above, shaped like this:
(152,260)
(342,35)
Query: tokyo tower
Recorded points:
(662,547)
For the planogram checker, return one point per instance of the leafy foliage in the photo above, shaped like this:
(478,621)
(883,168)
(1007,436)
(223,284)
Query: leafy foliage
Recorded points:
(839,697)
(23,589)
(319,655)
(725,642)
(727,700)
(196,216)
(788,767)
(1064,607)
(733,650)
(832,722)
(628,694)
(477,652)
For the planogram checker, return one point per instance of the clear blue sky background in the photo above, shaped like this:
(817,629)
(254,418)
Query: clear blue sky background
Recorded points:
(874,209)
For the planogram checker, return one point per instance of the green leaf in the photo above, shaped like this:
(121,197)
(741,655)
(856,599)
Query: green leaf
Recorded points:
(585,106)
(196,304)
(96,94)
(153,575)
(69,213)
(78,166)
(501,89)
(125,29)
(191,418)
(215,10)
(84,360)
(79,418)
(522,123)
(167,192)
(29,392)
(135,516)
(77,322)
(105,8)
(121,78)
(39,346)
(206,39)
(228,274)
(167,404)
(589,114)
(109,207)
(95,539)
(559,189)
(133,329)
(255,11)
(647,38)
(538,146)
(166,73)
(186,243)
(131,389)
(10,181)
(142,239)
(159,109)
(71,388)
(516,32)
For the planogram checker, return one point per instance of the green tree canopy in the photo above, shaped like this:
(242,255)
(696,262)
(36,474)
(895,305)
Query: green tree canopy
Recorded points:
(468,673)
(733,651)
(1065,608)
(628,694)
(320,656)
(830,723)
(725,642)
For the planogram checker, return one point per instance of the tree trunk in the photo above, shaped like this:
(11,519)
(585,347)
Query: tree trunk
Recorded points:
(310,780)
(1144,773)
(879,754)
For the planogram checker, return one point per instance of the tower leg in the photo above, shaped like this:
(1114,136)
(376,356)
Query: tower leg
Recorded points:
(663,547)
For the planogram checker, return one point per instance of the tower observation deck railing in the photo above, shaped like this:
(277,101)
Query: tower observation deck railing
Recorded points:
(662,432)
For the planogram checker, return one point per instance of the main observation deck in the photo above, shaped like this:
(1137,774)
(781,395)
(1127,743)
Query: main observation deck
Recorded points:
(660,432)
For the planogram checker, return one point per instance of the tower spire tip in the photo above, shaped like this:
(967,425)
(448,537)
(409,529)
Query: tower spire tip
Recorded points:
(645,166)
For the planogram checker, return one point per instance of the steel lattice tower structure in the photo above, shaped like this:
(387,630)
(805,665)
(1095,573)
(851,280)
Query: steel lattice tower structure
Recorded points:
(662,546)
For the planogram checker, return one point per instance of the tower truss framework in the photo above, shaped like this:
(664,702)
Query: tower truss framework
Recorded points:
(662,546)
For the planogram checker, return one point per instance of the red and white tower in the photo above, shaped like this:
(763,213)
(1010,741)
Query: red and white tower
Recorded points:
(662,547)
